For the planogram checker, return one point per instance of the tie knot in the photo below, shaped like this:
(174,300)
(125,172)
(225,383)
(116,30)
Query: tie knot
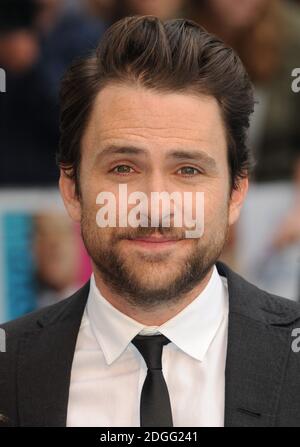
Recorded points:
(150,347)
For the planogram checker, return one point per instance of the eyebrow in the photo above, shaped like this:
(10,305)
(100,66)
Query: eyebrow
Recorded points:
(193,155)
(177,154)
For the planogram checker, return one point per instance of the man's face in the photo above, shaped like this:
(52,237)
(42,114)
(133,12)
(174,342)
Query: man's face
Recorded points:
(176,143)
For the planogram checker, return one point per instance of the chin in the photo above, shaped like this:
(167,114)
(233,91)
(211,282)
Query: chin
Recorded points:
(156,281)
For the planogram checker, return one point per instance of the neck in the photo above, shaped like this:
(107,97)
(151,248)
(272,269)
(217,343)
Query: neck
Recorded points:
(156,316)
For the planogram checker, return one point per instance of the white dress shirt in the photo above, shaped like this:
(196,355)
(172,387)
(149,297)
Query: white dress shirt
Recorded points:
(108,371)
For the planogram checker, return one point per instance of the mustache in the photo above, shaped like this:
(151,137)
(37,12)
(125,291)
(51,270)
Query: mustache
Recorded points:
(139,232)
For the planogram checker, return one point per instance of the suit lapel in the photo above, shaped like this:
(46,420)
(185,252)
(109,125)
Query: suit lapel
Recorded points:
(259,343)
(45,362)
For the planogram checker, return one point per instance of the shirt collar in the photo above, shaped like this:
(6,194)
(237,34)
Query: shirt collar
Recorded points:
(191,330)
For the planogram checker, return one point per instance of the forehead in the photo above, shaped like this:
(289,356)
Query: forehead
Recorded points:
(134,114)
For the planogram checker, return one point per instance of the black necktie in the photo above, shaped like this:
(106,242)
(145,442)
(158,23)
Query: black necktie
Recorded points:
(155,406)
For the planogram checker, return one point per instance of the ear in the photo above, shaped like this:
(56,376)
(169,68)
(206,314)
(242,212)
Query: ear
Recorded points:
(237,198)
(69,196)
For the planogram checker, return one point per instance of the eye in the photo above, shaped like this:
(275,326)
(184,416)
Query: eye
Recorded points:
(189,171)
(122,169)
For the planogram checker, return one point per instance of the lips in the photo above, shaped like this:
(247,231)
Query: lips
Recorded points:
(155,243)
(152,239)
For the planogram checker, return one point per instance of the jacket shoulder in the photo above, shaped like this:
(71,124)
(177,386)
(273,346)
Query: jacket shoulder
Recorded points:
(31,323)
(253,302)
(35,319)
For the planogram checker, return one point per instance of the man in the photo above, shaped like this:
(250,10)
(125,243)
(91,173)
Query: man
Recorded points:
(163,334)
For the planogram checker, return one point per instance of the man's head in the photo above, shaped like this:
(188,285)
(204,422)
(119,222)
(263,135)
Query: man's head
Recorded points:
(161,106)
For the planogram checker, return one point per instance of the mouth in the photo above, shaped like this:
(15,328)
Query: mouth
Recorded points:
(153,242)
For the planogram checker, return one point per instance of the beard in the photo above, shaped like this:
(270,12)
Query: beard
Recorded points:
(148,280)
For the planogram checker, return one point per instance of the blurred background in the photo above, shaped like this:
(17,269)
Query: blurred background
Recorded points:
(42,258)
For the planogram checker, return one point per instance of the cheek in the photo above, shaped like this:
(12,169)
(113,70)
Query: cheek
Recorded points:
(215,208)
(99,238)
(90,193)
(92,182)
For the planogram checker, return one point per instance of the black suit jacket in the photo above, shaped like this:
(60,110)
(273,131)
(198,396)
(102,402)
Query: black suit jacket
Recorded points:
(262,377)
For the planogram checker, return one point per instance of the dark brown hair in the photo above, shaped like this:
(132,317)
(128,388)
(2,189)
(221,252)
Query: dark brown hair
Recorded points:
(173,56)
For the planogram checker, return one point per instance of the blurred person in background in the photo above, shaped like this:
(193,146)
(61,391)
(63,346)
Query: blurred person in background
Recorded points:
(25,111)
(75,32)
(102,8)
(164,9)
(266,35)
(38,40)
(19,47)
(115,10)
(56,250)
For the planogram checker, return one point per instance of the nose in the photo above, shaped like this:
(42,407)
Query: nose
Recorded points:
(156,180)
(158,191)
